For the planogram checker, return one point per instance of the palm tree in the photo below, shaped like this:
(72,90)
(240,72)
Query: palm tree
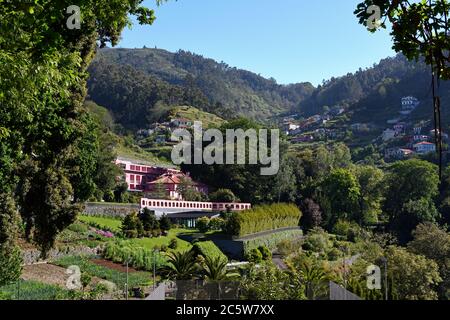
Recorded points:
(314,278)
(181,268)
(215,271)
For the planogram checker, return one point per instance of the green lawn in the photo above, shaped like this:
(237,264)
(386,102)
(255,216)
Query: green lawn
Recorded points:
(32,290)
(150,243)
(113,224)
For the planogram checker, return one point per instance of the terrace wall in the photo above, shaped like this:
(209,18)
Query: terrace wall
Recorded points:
(109,209)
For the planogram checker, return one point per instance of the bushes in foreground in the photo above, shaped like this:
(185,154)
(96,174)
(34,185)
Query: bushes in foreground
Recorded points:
(263,218)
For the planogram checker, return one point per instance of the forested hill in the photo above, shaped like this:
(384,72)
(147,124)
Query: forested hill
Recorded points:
(118,75)
(373,95)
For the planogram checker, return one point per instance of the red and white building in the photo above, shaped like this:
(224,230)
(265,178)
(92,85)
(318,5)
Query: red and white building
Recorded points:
(145,178)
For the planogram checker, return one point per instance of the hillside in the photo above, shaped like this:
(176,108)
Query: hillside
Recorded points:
(124,146)
(117,75)
(191,113)
(373,95)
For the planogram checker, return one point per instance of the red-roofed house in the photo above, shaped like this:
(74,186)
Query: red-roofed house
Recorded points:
(171,183)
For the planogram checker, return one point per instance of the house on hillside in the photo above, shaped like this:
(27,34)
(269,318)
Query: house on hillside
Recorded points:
(181,123)
(171,182)
(388,135)
(397,153)
(424,147)
(409,104)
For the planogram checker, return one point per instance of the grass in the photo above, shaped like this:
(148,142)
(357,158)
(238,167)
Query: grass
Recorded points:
(33,290)
(150,243)
(135,279)
(111,223)
(194,114)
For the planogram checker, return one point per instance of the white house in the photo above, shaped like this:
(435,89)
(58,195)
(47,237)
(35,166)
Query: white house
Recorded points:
(424,147)
(388,134)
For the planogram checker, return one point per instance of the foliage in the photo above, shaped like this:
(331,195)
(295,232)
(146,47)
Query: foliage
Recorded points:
(412,187)
(184,78)
(267,282)
(312,215)
(263,218)
(223,195)
(33,290)
(254,256)
(181,266)
(173,244)
(132,226)
(215,269)
(203,224)
(272,240)
(265,253)
(413,277)
(48,145)
(137,257)
(148,219)
(208,249)
(217,224)
(119,278)
(164,223)
(433,242)
(341,191)
(10,255)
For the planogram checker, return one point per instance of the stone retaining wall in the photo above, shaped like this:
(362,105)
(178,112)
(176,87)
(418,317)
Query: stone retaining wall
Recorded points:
(33,256)
(109,209)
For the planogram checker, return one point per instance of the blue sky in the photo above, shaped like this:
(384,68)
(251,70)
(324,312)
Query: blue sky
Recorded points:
(289,40)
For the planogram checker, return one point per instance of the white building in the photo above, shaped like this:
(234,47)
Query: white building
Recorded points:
(424,147)
(388,134)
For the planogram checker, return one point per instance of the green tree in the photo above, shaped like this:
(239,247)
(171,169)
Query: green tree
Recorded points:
(342,192)
(203,224)
(223,195)
(411,276)
(45,142)
(412,187)
(371,181)
(164,223)
(433,242)
(10,256)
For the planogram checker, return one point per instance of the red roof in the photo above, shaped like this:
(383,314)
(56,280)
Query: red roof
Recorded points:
(424,142)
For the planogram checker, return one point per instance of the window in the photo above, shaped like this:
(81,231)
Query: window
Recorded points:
(138,179)
(132,167)
(132,177)
(138,168)
(132,187)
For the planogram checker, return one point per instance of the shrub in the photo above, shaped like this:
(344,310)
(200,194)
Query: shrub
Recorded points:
(271,241)
(173,244)
(334,254)
(132,226)
(165,223)
(287,247)
(223,195)
(318,241)
(263,218)
(208,249)
(216,224)
(351,231)
(255,256)
(265,252)
(203,224)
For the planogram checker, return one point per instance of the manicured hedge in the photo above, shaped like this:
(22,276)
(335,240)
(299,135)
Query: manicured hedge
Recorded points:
(208,249)
(263,218)
(271,241)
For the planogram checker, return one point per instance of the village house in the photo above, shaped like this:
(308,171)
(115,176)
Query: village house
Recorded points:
(171,182)
(409,104)
(388,134)
(181,123)
(424,147)
(397,153)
